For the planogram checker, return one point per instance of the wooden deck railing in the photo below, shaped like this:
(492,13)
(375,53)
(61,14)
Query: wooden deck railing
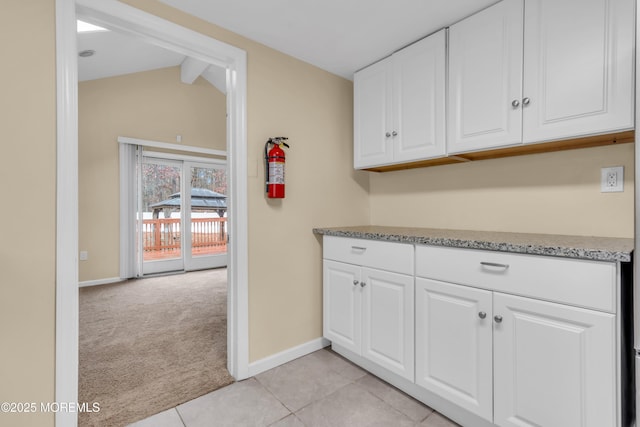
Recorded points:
(163,235)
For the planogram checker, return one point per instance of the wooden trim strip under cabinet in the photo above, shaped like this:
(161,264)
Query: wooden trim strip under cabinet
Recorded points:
(519,150)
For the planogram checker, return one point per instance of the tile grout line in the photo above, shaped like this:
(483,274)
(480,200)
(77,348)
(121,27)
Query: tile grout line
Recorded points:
(180,416)
(387,403)
(265,388)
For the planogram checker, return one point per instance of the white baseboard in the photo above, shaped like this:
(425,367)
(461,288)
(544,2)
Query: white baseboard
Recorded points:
(99,282)
(285,356)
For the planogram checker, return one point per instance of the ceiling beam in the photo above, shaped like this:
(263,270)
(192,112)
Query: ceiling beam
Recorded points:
(190,69)
(217,77)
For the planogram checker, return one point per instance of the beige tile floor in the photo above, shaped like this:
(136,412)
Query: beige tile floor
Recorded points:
(317,390)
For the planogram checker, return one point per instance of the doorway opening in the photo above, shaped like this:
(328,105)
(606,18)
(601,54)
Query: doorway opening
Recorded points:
(116,15)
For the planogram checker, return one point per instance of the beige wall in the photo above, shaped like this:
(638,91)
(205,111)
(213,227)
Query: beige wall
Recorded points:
(153,105)
(557,193)
(285,97)
(314,109)
(27,256)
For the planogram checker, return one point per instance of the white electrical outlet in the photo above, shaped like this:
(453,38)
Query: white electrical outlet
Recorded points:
(612,179)
(84,255)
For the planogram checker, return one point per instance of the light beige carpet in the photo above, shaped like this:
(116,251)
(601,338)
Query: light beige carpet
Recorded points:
(150,344)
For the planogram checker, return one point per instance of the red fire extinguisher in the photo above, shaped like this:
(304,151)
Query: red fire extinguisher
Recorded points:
(274,167)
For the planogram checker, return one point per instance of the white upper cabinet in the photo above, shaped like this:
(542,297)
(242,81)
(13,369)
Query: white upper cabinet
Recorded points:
(578,68)
(372,115)
(418,99)
(577,77)
(485,79)
(399,106)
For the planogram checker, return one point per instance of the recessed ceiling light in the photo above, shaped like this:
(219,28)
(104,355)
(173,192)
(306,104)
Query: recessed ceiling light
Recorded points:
(85,27)
(86,53)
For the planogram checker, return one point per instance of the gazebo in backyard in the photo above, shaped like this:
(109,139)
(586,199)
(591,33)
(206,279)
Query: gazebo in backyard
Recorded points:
(208,235)
(202,200)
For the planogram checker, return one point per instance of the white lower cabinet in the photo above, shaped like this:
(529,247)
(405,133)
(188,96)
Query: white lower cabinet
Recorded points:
(342,301)
(454,344)
(515,361)
(496,337)
(518,360)
(387,320)
(554,365)
(369,311)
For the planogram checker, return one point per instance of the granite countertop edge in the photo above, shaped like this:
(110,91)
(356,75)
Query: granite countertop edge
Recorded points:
(577,247)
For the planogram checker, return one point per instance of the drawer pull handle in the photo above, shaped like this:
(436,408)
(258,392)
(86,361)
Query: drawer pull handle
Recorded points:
(482,315)
(362,284)
(498,319)
(355,283)
(358,248)
(494,264)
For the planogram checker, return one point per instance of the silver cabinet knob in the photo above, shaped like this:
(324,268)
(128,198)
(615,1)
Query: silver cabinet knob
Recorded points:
(482,315)
(394,133)
(515,103)
(526,101)
(355,282)
(387,134)
(362,284)
(497,318)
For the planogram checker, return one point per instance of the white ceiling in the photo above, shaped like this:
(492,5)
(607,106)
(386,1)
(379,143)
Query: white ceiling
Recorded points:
(340,36)
(117,54)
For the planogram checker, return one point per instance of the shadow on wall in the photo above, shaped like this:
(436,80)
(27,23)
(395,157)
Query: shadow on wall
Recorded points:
(574,168)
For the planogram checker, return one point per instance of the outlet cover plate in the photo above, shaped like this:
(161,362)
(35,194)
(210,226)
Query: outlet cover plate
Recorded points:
(612,179)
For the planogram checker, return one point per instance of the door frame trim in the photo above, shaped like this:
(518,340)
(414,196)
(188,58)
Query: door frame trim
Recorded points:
(127,19)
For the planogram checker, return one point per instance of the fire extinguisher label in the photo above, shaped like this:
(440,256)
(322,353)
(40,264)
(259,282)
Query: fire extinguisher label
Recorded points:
(276,173)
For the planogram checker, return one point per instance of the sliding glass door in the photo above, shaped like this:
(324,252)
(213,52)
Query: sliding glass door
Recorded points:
(160,218)
(178,232)
(206,234)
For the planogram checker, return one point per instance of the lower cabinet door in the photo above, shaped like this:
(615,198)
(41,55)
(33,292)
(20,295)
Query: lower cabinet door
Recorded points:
(454,344)
(342,304)
(554,365)
(387,322)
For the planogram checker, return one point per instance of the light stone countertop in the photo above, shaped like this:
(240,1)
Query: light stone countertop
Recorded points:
(581,247)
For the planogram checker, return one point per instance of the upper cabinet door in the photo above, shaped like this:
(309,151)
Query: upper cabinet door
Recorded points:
(418,94)
(399,106)
(372,115)
(578,72)
(485,79)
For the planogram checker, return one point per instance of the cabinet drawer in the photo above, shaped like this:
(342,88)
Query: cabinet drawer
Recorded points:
(390,256)
(581,283)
